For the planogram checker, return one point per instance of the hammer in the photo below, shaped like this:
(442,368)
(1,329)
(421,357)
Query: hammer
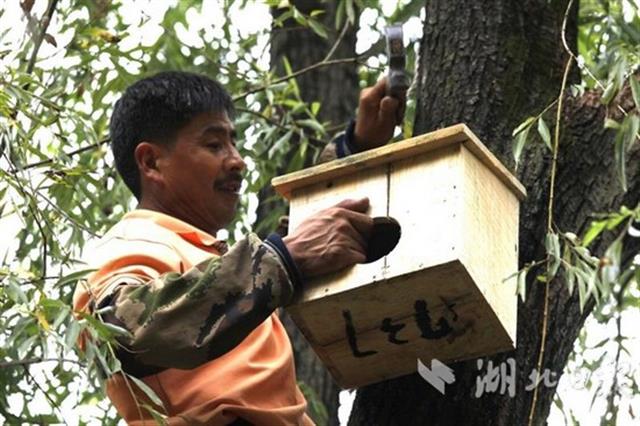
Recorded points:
(398,81)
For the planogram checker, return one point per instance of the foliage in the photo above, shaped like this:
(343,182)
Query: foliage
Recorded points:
(317,410)
(59,189)
(608,57)
(64,66)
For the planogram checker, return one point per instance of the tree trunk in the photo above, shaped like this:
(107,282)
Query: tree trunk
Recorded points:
(336,88)
(490,65)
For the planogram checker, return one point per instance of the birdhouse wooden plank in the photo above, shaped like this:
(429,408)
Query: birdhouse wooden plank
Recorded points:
(441,292)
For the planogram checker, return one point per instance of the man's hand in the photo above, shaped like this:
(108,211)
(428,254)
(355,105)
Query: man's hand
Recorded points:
(378,115)
(331,239)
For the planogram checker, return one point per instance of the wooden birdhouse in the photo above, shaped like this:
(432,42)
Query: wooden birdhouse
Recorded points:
(441,292)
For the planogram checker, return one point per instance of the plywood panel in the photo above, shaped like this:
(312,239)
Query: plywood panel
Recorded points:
(474,331)
(285,185)
(424,197)
(490,237)
(323,320)
(394,152)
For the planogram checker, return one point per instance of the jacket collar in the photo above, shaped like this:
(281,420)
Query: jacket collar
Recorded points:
(187,231)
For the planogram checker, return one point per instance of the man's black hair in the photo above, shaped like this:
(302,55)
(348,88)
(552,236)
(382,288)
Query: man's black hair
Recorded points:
(154,109)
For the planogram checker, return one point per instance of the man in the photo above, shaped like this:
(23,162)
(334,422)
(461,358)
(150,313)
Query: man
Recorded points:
(204,335)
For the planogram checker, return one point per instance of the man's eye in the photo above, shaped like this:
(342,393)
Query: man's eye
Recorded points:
(214,146)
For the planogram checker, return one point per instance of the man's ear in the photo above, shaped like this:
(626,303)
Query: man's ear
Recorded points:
(148,156)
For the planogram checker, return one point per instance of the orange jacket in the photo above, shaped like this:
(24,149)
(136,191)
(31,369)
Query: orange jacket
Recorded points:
(149,255)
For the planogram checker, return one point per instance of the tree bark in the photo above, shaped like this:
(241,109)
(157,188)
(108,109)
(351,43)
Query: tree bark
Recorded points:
(336,88)
(490,65)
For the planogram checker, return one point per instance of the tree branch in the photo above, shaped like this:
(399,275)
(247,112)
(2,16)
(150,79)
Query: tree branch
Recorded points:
(45,24)
(552,179)
(53,403)
(29,361)
(31,205)
(337,43)
(315,142)
(67,154)
(583,66)
(295,74)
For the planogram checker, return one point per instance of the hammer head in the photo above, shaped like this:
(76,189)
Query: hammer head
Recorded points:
(397,81)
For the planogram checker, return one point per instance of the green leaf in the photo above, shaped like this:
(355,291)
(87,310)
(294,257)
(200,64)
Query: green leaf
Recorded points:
(279,21)
(522,283)
(615,220)
(595,229)
(270,97)
(623,142)
(611,269)
(614,252)
(601,343)
(287,66)
(316,408)
(3,192)
(525,125)
(635,90)
(14,291)
(280,144)
(318,28)
(589,276)
(573,238)
(160,418)
(63,314)
(147,390)
(116,330)
(519,143)
(543,130)
(570,278)
(552,243)
(632,134)
(299,17)
(608,94)
(351,13)
(102,330)
(595,396)
(103,365)
(72,332)
(26,345)
(611,124)
(340,13)
(312,124)
(297,162)
(73,277)
(582,290)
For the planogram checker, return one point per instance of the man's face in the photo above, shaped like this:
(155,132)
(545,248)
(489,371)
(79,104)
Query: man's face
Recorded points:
(202,173)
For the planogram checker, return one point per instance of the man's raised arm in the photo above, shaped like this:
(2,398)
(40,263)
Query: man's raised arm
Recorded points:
(378,115)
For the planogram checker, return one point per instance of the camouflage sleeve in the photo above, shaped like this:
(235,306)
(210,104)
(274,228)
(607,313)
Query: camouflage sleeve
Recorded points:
(339,147)
(329,153)
(184,320)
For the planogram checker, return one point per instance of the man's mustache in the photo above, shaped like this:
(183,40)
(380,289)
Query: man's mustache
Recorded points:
(232,179)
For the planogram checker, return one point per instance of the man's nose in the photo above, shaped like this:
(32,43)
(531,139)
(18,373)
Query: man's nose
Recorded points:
(234,161)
